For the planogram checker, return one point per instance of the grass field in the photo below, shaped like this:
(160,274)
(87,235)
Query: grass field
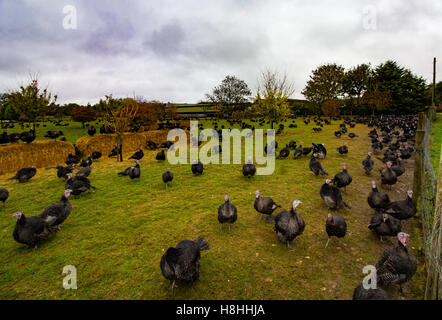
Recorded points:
(116,235)
(436,143)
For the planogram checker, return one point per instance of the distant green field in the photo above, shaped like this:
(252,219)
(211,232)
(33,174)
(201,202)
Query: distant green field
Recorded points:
(116,234)
(436,142)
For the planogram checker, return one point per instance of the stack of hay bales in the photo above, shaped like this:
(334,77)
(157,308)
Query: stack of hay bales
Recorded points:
(38,153)
(131,141)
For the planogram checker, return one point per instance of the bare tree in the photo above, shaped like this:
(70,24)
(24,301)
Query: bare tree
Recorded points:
(276,82)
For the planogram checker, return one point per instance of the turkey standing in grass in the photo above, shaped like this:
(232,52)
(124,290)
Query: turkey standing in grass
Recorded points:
(167,177)
(298,152)
(398,168)
(289,225)
(343,149)
(29,230)
(377,200)
(56,214)
(78,185)
(138,155)
(114,152)
(335,226)
(91,131)
(343,178)
(86,162)
(368,164)
(388,176)
(397,265)
(385,225)
(72,159)
(84,172)
(133,171)
(4,194)
(360,293)
(284,153)
(197,168)
(24,174)
(316,167)
(320,150)
(160,155)
(352,135)
(264,205)
(402,209)
(332,196)
(62,171)
(227,212)
(248,169)
(182,262)
(96,155)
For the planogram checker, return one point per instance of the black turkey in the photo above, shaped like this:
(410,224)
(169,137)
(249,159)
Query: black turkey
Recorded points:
(227,212)
(352,135)
(160,156)
(182,262)
(289,225)
(114,152)
(91,131)
(197,168)
(298,152)
(335,226)
(368,164)
(402,209)
(388,176)
(87,162)
(72,159)
(78,185)
(264,205)
(397,265)
(4,195)
(56,214)
(398,168)
(84,172)
(133,171)
(343,178)
(320,150)
(248,169)
(377,200)
(62,171)
(284,153)
(332,196)
(96,155)
(24,174)
(343,149)
(360,293)
(167,177)
(29,230)
(138,155)
(316,167)
(28,136)
(385,225)
(151,145)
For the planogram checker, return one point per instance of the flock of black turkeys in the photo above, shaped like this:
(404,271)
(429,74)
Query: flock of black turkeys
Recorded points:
(393,135)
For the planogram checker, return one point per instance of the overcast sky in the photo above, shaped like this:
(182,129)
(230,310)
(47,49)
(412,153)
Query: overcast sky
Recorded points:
(179,50)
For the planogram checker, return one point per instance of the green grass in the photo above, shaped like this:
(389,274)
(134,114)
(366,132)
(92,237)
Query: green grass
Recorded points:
(436,143)
(116,235)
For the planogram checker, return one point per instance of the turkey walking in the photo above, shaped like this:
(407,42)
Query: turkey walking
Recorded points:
(385,225)
(377,200)
(264,205)
(289,225)
(167,177)
(25,174)
(402,209)
(197,168)
(248,169)
(133,171)
(332,196)
(368,164)
(335,226)
(56,214)
(227,212)
(316,167)
(388,176)
(29,230)
(182,262)
(4,195)
(138,155)
(343,178)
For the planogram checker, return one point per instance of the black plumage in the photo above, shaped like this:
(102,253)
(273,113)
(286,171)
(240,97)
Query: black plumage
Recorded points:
(62,171)
(264,205)
(167,177)
(360,293)
(133,171)
(4,195)
(182,262)
(388,176)
(29,230)
(78,185)
(377,200)
(24,174)
(160,156)
(343,149)
(385,225)
(56,214)
(114,152)
(87,162)
(402,209)
(398,168)
(96,155)
(289,225)
(332,196)
(138,155)
(91,131)
(316,167)
(197,168)
(368,164)
(72,159)
(284,152)
(227,212)
(397,265)
(343,178)
(28,136)
(248,169)
(84,172)
(320,150)
(335,226)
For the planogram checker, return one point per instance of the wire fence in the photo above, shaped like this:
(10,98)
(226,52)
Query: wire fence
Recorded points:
(425,196)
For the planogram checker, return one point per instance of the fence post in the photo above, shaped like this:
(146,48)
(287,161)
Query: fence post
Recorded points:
(419,174)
